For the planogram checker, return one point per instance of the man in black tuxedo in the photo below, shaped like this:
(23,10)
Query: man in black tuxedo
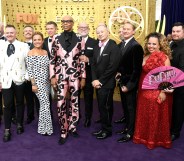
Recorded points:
(177,48)
(51,28)
(29,95)
(83,31)
(129,72)
(104,67)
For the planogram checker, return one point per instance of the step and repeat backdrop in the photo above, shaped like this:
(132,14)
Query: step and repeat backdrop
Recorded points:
(111,12)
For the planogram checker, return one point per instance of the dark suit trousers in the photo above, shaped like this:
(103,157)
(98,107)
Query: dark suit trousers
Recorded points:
(16,91)
(105,105)
(29,99)
(129,105)
(177,112)
(88,94)
(1,104)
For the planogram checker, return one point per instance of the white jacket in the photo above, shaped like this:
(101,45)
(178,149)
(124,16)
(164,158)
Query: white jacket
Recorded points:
(13,68)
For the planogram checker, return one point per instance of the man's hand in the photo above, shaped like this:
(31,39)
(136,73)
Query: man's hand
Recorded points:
(124,89)
(96,84)
(54,83)
(84,58)
(82,83)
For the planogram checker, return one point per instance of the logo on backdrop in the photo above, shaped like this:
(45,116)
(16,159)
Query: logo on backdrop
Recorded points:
(122,15)
(27,18)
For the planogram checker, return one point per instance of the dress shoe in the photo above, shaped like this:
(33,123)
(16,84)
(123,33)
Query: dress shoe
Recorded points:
(87,123)
(62,140)
(7,135)
(122,131)
(74,134)
(14,120)
(174,137)
(29,120)
(96,132)
(103,135)
(120,121)
(125,138)
(20,129)
(98,121)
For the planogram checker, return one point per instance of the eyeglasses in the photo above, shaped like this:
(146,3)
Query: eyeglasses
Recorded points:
(83,28)
(66,21)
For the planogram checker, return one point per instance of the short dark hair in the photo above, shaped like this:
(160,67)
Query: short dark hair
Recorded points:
(38,33)
(178,24)
(51,23)
(10,26)
(28,26)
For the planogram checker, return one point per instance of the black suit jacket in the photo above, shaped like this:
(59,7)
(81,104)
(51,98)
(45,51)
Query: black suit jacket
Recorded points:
(104,68)
(177,60)
(131,64)
(46,47)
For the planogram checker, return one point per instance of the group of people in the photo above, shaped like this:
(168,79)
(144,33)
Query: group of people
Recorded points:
(71,62)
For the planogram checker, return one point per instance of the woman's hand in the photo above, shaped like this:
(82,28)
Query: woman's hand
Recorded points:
(35,88)
(161,97)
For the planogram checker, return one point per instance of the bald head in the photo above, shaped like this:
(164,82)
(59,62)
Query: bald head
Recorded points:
(102,33)
(67,23)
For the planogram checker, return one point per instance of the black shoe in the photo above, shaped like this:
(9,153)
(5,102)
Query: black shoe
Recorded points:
(87,123)
(174,137)
(74,134)
(7,135)
(120,121)
(96,132)
(14,120)
(29,120)
(20,129)
(122,131)
(98,121)
(62,140)
(103,135)
(125,138)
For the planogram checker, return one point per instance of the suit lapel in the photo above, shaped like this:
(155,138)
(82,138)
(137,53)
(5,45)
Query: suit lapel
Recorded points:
(61,40)
(127,46)
(101,55)
(73,43)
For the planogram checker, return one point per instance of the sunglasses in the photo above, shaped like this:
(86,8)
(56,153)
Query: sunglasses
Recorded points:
(66,21)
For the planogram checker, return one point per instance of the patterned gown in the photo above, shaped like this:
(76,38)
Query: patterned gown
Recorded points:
(38,68)
(152,126)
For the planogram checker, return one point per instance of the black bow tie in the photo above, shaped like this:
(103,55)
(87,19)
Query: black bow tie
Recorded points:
(10,49)
(29,43)
(2,38)
(50,40)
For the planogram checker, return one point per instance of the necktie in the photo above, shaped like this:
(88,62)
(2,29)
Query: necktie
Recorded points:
(100,44)
(29,43)
(50,40)
(2,38)
(10,49)
(123,44)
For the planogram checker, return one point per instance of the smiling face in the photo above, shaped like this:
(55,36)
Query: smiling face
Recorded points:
(177,33)
(102,33)
(51,30)
(67,23)
(128,31)
(83,29)
(37,41)
(28,33)
(10,34)
(153,44)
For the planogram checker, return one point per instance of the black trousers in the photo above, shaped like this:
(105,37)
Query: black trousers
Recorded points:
(177,111)
(29,99)
(129,105)
(16,91)
(105,105)
(1,104)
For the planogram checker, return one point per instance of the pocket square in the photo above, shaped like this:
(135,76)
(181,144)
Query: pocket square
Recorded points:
(104,54)
(89,48)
